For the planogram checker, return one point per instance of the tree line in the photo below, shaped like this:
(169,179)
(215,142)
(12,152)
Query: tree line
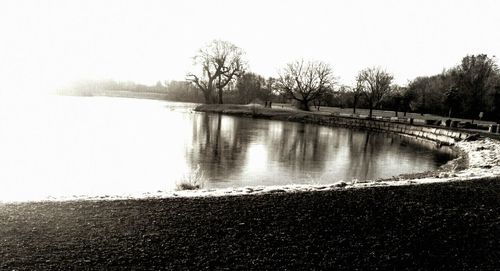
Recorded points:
(469,90)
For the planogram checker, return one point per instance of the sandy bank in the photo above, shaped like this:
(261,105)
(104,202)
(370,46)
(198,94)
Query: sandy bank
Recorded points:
(445,226)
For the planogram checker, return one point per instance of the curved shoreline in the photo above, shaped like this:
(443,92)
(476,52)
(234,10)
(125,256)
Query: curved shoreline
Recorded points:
(450,225)
(477,157)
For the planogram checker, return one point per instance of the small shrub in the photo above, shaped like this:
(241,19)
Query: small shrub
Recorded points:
(191,181)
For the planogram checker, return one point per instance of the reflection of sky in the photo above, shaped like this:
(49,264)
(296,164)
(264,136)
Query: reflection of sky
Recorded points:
(90,146)
(274,152)
(109,146)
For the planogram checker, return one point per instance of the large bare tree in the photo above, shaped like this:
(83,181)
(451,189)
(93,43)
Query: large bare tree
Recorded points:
(221,62)
(305,81)
(376,83)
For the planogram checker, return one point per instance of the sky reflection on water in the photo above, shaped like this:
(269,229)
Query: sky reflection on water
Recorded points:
(66,146)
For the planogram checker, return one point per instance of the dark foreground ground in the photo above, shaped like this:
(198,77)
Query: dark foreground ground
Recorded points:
(439,226)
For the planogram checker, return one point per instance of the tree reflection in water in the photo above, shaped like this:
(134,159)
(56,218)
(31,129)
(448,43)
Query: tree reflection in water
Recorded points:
(123,147)
(235,151)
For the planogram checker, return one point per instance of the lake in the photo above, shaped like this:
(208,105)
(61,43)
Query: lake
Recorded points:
(97,146)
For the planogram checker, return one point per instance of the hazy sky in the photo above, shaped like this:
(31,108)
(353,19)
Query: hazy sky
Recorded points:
(46,43)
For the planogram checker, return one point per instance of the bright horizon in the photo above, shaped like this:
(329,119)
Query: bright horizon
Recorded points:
(49,43)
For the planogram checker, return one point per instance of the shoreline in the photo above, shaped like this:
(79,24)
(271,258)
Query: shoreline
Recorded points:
(449,225)
(475,159)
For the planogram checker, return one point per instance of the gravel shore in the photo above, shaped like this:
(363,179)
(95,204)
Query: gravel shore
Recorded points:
(453,226)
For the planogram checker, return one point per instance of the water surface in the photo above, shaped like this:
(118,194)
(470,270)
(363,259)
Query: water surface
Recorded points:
(67,146)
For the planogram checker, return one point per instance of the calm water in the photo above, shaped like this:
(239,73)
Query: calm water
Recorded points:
(68,146)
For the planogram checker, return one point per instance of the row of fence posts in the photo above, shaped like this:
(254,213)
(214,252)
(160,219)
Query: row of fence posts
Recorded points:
(494,128)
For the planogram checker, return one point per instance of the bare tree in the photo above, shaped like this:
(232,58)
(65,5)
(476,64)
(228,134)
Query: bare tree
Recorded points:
(305,81)
(221,62)
(376,83)
(357,92)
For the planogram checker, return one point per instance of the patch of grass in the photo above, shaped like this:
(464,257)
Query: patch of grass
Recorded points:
(193,180)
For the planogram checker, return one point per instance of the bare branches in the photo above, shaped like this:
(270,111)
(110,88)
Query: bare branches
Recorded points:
(305,81)
(375,83)
(221,62)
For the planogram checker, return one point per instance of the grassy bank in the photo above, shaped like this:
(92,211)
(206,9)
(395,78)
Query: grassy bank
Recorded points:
(452,226)
(286,113)
(381,113)
(257,111)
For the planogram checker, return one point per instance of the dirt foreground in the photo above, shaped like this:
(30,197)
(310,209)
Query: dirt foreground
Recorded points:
(452,226)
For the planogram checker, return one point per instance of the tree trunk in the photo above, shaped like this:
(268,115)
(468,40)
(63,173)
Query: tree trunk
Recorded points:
(208,97)
(354,104)
(303,105)
(220,96)
(422,110)
(371,112)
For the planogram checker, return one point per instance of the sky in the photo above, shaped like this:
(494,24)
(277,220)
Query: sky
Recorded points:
(46,44)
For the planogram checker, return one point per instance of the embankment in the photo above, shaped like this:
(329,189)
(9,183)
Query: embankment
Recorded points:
(442,136)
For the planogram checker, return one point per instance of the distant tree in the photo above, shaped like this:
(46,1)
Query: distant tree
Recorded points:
(451,99)
(357,92)
(159,85)
(461,91)
(182,91)
(394,99)
(327,99)
(408,97)
(250,87)
(376,83)
(305,81)
(420,87)
(338,97)
(473,76)
(269,91)
(221,62)
(495,107)
(428,92)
